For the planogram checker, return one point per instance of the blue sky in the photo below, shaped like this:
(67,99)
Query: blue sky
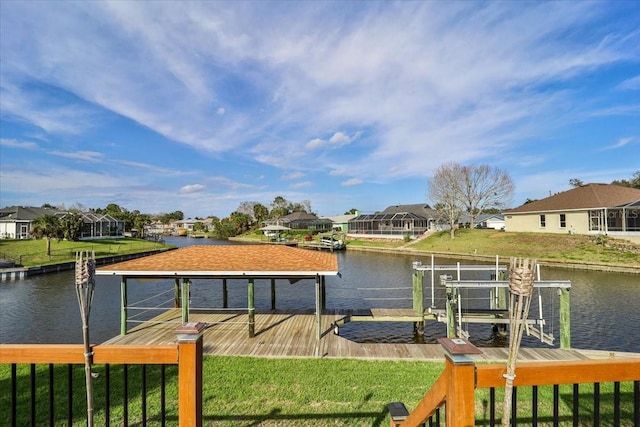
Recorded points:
(164,106)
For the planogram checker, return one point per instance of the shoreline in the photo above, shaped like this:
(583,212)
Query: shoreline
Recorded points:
(607,268)
(586,266)
(17,273)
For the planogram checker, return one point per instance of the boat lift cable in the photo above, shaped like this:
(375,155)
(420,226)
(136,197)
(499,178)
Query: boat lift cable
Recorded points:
(151,297)
(162,306)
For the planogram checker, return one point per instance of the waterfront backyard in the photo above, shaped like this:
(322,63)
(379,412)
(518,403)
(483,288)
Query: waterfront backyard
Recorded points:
(294,391)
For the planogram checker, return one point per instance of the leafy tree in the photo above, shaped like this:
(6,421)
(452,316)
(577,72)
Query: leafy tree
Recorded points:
(224,228)
(241,222)
(199,226)
(351,211)
(279,207)
(575,182)
(445,192)
(71,226)
(47,226)
(483,187)
(634,182)
(140,221)
(260,212)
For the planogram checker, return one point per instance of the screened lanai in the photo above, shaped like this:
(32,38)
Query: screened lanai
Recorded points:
(222,262)
(399,223)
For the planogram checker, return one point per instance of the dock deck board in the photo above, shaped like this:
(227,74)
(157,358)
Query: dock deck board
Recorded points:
(292,334)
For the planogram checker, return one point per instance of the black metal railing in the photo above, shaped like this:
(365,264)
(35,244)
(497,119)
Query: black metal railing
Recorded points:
(55,394)
(593,406)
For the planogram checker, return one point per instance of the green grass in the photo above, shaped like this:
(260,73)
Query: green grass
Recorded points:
(246,391)
(30,253)
(558,247)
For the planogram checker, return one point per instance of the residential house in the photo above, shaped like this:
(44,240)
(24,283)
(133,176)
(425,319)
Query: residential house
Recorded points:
(302,221)
(398,221)
(16,222)
(341,222)
(606,209)
(495,221)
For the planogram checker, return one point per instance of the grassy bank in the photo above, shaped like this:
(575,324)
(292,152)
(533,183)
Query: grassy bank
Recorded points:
(245,391)
(542,246)
(29,253)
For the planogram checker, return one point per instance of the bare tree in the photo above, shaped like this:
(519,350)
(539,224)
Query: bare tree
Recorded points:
(484,187)
(445,192)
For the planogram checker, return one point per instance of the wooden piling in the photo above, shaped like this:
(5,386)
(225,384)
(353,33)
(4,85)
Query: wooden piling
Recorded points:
(185,300)
(251,308)
(225,294)
(123,306)
(273,294)
(565,319)
(418,299)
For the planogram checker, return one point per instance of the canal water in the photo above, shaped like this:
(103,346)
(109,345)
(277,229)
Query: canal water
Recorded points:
(605,307)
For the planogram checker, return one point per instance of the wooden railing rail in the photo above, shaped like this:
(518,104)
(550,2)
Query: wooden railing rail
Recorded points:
(549,373)
(102,354)
(455,388)
(187,354)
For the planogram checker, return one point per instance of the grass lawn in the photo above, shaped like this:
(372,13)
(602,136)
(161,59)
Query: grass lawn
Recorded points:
(246,391)
(556,247)
(30,253)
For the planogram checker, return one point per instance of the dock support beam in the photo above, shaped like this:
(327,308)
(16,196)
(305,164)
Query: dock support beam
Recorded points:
(185,300)
(565,319)
(225,294)
(251,308)
(123,306)
(176,294)
(418,301)
(319,305)
(273,294)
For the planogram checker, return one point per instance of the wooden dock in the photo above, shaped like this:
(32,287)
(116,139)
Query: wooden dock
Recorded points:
(292,334)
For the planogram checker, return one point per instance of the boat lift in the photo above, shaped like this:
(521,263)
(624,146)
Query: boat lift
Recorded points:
(456,311)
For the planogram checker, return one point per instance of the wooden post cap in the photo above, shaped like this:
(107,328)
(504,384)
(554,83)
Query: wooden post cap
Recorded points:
(458,346)
(189,331)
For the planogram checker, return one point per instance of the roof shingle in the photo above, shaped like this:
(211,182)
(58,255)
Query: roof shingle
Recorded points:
(230,260)
(589,196)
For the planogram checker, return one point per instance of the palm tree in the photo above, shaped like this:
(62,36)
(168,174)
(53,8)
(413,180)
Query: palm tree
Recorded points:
(47,226)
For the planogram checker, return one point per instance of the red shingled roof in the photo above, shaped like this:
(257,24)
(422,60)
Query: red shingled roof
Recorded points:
(589,196)
(229,260)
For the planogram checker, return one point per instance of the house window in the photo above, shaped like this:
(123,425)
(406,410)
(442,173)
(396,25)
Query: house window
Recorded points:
(563,221)
(543,221)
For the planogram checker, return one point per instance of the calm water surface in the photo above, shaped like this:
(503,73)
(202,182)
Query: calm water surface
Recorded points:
(605,308)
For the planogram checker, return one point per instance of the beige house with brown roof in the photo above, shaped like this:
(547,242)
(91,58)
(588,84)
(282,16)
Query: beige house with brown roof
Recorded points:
(606,209)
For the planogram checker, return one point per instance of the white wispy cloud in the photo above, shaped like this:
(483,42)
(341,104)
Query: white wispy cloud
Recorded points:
(292,176)
(303,184)
(622,142)
(86,156)
(14,143)
(351,182)
(192,188)
(630,84)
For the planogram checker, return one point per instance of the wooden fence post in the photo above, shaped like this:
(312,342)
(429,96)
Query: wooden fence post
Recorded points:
(460,409)
(190,374)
